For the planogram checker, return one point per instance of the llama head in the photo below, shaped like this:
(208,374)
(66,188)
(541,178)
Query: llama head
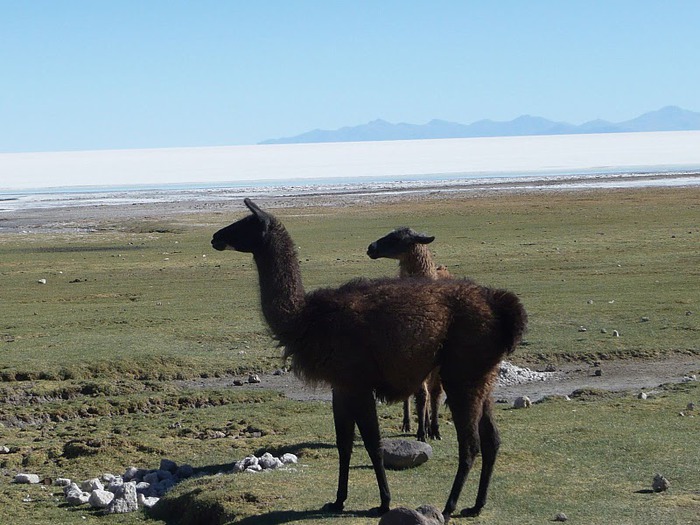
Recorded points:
(245,235)
(396,243)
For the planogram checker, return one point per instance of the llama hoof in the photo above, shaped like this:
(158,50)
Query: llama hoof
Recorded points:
(334,507)
(471,512)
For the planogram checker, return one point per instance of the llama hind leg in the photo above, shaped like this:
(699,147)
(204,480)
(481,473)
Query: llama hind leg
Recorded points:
(406,424)
(466,413)
(344,437)
(422,411)
(490,443)
(435,396)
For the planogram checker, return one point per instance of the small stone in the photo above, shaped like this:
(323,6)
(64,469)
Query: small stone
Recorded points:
(151,477)
(61,482)
(253,378)
(561,517)
(130,473)
(289,458)
(690,406)
(598,373)
(268,461)
(169,465)
(616,333)
(660,483)
(642,395)
(31,479)
(148,502)
(644,319)
(603,331)
(92,484)
(402,454)
(4,450)
(77,497)
(522,402)
(582,329)
(100,499)
(590,301)
(402,516)
(42,281)
(237,382)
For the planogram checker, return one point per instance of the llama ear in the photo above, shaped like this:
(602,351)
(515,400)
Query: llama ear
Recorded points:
(424,239)
(261,215)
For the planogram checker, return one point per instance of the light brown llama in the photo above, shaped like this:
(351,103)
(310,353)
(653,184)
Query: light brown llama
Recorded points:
(379,339)
(415,260)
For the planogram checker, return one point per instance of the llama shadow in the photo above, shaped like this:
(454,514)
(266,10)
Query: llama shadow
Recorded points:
(289,516)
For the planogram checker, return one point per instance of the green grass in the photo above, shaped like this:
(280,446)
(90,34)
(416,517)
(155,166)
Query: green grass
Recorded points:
(126,308)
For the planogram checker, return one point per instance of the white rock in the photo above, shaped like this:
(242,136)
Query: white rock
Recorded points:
(62,482)
(4,450)
(268,461)
(522,402)
(32,479)
(92,484)
(642,395)
(42,281)
(146,501)
(289,458)
(100,499)
(77,497)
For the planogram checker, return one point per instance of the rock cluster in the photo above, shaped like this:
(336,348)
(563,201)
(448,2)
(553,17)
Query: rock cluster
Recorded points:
(142,488)
(509,374)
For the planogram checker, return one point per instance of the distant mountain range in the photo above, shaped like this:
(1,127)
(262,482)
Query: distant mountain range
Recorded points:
(670,118)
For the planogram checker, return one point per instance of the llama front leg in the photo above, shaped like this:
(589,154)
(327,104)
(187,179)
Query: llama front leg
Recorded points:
(490,443)
(366,416)
(344,437)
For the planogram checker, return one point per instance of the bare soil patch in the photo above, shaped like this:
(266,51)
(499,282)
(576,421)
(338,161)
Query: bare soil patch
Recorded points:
(615,376)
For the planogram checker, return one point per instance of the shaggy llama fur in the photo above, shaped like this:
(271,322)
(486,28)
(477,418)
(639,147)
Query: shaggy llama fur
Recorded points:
(379,339)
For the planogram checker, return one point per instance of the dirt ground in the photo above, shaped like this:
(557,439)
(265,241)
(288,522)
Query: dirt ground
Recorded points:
(615,376)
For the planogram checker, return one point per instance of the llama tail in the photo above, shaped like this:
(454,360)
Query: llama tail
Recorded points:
(511,318)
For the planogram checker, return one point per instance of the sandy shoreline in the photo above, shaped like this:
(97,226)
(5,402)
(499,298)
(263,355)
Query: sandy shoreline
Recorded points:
(84,212)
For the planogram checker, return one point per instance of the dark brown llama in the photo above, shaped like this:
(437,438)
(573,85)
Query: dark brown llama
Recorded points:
(415,260)
(379,339)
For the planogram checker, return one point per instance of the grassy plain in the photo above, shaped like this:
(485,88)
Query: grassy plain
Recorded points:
(87,358)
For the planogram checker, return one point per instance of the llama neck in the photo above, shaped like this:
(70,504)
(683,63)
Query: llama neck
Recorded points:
(281,289)
(418,261)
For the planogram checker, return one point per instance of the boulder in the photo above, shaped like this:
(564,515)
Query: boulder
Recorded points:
(125,500)
(403,454)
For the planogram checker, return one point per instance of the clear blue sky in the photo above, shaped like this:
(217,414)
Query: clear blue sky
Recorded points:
(105,74)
